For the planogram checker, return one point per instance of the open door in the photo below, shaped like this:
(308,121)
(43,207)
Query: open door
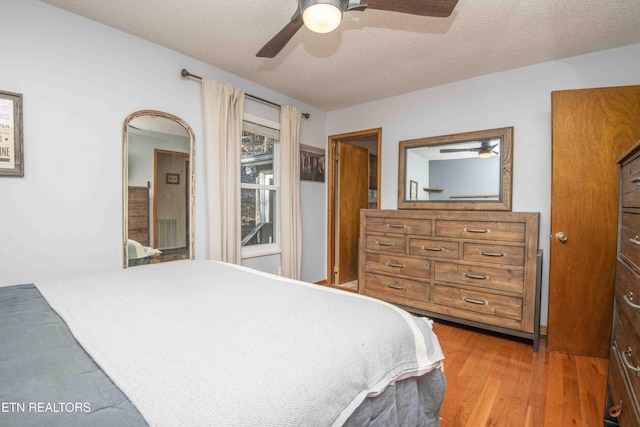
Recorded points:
(170,220)
(352,195)
(353,183)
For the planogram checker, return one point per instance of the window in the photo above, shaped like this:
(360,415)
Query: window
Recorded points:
(259,188)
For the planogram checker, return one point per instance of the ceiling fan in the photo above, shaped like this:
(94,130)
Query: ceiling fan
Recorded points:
(323,16)
(484,150)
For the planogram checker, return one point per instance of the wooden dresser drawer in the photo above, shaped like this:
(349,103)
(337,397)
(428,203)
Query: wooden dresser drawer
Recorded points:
(503,279)
(630,182)
(396,289)
(479,302)
(434,248)
(627,344)
(493,254)
(399,225)
(620,393)
(388,263)
(482,230)
(628,293)
(395,244)
(630,239)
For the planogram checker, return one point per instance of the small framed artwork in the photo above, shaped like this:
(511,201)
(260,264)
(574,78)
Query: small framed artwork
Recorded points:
(173,178)
(311,163)
(11,149)
(413,190)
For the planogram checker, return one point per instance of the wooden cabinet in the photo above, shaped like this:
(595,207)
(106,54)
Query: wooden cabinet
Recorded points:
(624,359)
(475,268)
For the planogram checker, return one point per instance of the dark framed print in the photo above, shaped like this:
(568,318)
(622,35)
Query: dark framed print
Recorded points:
(311,163)
(173,178)
(11,149)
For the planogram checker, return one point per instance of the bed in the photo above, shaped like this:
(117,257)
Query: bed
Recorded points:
(205,343)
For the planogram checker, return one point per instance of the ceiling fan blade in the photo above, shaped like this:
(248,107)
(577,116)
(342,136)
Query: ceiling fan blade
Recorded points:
(457,150)
(436,8)
(275,45)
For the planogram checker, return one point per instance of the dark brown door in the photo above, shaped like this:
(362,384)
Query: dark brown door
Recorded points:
(591,129)
(352,195)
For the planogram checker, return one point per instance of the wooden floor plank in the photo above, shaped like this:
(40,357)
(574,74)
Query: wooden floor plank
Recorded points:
(498,381)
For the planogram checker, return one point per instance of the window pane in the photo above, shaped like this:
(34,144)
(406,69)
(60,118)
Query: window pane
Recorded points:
(257,159)
(258,211)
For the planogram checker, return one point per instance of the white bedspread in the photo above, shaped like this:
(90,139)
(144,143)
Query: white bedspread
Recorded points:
(202,343)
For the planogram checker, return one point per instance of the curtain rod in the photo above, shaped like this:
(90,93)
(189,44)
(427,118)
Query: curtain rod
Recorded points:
(185,73)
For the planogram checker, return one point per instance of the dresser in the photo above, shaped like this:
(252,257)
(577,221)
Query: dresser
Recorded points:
(624,360)
(476,268)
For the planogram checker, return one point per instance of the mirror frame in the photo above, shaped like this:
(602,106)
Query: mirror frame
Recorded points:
(506,164)
(125,178)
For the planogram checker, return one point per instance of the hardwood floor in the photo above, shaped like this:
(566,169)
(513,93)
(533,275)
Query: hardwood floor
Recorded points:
(497,381)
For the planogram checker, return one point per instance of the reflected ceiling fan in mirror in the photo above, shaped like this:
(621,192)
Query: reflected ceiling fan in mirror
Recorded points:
(484,150)
(324,16)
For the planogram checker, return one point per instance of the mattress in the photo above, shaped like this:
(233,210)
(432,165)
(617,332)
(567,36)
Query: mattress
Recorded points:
(207,343)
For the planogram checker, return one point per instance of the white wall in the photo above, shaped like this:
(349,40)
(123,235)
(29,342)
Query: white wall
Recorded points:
(519,98)
(79,81)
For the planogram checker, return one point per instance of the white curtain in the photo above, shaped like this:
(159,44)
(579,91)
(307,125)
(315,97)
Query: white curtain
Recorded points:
(290,191)
(222,106)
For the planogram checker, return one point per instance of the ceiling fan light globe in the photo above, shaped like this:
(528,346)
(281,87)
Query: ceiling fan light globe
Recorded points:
(484,154)
(322,17)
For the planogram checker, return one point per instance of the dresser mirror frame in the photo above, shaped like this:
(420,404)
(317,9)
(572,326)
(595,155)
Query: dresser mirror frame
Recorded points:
(497,144)
(165,132)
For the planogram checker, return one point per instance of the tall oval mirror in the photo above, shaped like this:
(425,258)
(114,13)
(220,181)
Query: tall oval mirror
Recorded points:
(157,188)
(465,171)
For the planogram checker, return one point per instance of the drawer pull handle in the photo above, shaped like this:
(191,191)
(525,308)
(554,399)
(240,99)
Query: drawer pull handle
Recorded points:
(615,410)
(635,240)
(628,298)
(391,264)
(472,230)
(474,276)
(475,301)
(425,248)
(379,243)
(493,254)
(635,180)
(396,225)
(398,287)
(628,364)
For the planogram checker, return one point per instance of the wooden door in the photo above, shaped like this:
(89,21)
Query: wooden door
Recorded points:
(591,129)
(352,195)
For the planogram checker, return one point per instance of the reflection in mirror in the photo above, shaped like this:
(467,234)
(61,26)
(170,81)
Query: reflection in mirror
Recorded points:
(462,171)
(158,188)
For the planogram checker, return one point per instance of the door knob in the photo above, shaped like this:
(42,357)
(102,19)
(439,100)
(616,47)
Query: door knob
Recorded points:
(561,237)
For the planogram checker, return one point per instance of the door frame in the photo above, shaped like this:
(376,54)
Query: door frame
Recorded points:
(331,185)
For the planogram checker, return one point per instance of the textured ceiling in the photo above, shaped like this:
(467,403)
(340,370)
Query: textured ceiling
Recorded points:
(373,54)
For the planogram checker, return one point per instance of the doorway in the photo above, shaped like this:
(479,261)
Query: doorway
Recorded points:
(353,183)
(170,222)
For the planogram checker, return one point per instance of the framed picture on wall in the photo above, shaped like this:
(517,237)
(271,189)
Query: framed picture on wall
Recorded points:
(11,150)
(311,163)
(173,178)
